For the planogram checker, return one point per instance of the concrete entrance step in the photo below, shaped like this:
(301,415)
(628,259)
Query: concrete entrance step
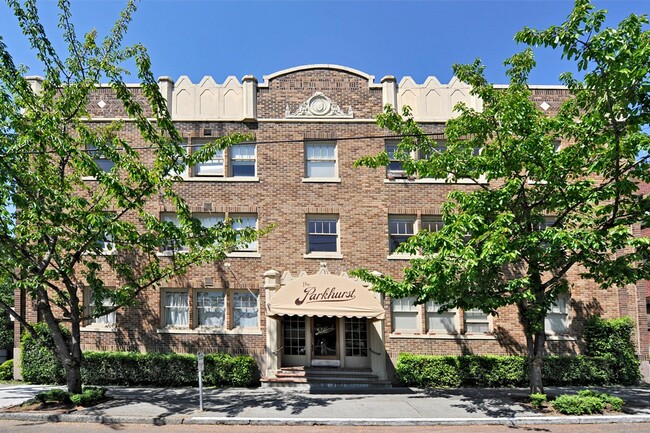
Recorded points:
(324,378)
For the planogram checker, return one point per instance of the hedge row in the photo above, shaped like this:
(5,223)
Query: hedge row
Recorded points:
(40,366)
(427,371)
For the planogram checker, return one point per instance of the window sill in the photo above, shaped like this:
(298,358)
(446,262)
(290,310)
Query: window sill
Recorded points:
(435,181)
(221,179)
(99,328)
(560,337)
(207,330)
(170,253)
(321,180)
(464,337)
(249,254)
(401,256)
(323,255)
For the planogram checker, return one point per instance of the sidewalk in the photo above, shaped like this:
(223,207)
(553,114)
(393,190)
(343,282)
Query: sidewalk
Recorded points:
(402,406)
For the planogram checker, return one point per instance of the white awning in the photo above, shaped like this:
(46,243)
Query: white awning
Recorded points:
(325,295)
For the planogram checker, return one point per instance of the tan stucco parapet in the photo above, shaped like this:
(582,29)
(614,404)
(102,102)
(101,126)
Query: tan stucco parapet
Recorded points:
(389,91)
(369,78)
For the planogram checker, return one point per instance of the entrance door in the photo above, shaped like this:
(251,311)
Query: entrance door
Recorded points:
(325,342)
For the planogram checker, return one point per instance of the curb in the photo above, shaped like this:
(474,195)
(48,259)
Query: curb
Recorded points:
(208,420)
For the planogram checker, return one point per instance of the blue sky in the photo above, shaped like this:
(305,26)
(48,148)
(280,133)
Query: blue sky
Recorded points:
(400,38)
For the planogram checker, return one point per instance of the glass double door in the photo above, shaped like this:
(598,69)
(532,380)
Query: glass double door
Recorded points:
(324,341)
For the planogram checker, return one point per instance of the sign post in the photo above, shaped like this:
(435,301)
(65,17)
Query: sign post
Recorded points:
(200,358)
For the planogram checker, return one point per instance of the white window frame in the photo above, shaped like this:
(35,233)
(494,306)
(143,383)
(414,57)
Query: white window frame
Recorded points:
(431,312)
(475,316)
(198,307)
(405,307)
(560,311)
(164,308)
(390,147)
(321,159)
(236,307)
(185,173)
(215,167)
(399,219)
(323,218)
(98,157)
(238,220)
(107,321)
(234,158)
(173,218)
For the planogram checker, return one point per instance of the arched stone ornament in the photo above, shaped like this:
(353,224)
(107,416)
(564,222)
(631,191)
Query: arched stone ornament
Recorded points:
(318,106)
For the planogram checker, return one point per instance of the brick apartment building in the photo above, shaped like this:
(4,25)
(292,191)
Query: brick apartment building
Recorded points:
(287,299)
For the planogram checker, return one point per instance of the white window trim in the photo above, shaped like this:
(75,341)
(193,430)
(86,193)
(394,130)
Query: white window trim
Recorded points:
(456,320)
(323,254)
(195,307)
(163,309)
(333,179)
(403,217)
(90,325)
(490,324)
(230,158)
(566,321)
(231,310)
(417,309)
(246,253)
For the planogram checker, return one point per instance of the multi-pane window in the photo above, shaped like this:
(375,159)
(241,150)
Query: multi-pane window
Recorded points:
(476,322)
(245,310)
(356,336)
(211,308)
(243,221)
(395,167)
(556,320)
(320,160)
(103,163)
(443,322)
(212,167)
(106,319)
(182,171)
(242,160)
(432,223)
(171,245)
(400,228)
(322,233)
(405,314)
(295,340)
(176,308)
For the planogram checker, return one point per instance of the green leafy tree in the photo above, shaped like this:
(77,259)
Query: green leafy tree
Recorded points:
(536,212)
(53,242)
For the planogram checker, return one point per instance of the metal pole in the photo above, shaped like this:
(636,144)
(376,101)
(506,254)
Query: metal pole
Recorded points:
(200,391)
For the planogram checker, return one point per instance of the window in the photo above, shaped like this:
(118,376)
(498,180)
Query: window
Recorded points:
(320,160)
(176,308)
(432,223)
(295,341)
(405,314)
(242,160)
(395,167)
(106,320)
(103,163)
(556,320)
(182,172)
(476,322)
(171,245)
(243,221)
(211,308)
(212,167)
(322,233)
(356,336)
(400,228)
(245,310)
(440,322)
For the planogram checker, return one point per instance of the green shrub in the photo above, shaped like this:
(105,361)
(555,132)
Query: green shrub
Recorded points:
(90,396)
(171,369)
(38,363)
(53,396)
(577,405)
(612,339)
(538,400)
(7,370)
(427,371)
(613,403)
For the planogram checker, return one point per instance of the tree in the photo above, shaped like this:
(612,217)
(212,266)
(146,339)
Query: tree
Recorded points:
(543,212)
(53,244)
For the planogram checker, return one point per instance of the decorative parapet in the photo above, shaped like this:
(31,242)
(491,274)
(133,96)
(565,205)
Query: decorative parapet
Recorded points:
(433,101)
(208,100)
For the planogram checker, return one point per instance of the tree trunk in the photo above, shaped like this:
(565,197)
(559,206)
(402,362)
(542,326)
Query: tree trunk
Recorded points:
(535,360)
